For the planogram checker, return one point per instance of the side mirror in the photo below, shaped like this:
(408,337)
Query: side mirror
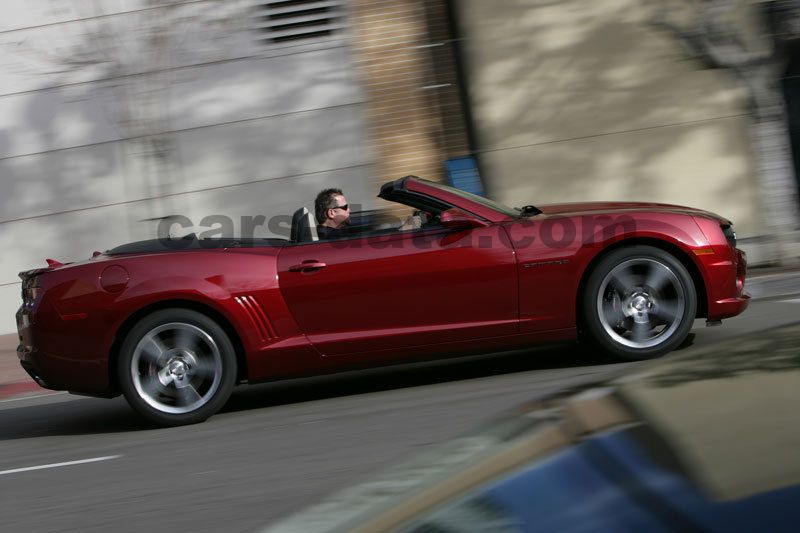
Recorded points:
(457,219)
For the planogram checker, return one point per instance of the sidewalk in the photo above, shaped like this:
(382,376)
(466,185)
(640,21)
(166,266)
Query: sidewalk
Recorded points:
(15,382)
(771,283)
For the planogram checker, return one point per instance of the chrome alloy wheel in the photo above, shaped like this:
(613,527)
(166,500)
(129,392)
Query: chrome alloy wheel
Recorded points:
(176,368)
(641,303)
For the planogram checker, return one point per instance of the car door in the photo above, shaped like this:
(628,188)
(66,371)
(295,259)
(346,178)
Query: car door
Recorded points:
(402,289)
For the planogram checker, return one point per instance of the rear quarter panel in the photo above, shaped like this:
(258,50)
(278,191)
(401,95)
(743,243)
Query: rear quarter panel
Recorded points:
(79,320)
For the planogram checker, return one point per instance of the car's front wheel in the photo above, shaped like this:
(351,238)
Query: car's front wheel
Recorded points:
(640,303)
(177,367)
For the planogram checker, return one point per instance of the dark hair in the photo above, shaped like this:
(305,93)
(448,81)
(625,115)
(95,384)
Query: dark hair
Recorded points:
(324,202)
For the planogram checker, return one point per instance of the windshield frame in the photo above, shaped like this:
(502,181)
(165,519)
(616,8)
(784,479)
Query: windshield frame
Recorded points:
(453,195)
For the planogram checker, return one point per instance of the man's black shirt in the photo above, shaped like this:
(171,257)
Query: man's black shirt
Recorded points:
(327,232)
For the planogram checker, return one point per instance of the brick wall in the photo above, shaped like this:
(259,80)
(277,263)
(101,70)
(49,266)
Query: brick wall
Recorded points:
(454,140)
(402,53)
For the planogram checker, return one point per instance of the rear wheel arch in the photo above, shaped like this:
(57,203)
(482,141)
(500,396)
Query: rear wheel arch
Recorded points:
(210,312)
(675,251)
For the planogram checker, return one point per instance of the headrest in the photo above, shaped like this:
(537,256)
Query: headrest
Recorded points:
(304,227)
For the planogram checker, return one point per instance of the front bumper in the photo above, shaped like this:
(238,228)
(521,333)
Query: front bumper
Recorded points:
(726,290)
(729,307)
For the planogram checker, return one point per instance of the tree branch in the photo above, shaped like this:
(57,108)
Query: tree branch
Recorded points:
(712,40)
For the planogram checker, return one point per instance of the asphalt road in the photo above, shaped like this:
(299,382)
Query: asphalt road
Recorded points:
(275,448)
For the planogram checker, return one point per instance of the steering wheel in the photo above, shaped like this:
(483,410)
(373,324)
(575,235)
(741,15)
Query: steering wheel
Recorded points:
(427,218)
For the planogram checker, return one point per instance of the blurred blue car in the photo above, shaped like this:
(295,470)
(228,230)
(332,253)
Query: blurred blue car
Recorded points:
(709,441)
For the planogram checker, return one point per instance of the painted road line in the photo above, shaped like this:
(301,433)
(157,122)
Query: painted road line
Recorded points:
(59,465)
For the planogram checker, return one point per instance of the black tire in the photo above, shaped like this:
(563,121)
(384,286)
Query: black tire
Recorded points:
(639,303)
(176,367)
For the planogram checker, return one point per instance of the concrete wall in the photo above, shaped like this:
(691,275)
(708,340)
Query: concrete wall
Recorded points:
(254,129)
(587,100)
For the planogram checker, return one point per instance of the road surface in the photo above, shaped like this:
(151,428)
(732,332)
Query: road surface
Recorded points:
(81,464)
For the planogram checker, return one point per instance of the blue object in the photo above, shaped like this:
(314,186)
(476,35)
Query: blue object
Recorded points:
(462,173)
(612,482)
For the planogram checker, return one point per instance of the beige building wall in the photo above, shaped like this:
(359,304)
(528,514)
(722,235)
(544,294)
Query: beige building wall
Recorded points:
(257,127)
(586,100)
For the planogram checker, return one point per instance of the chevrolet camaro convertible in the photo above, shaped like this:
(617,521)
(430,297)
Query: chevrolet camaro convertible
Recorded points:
(175,324)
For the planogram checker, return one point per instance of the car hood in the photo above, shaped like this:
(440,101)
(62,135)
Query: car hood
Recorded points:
(582,208)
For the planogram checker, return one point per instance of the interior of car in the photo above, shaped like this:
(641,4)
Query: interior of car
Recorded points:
(372,222)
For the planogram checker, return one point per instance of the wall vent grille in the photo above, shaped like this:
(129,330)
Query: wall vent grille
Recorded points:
(300,20)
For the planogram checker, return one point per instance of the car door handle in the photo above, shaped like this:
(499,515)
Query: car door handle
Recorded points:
(307,266)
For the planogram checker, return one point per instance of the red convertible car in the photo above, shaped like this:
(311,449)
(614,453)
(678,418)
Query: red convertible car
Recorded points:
(175,324)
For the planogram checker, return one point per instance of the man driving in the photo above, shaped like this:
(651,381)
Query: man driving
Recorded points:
(332,212)
(333,215)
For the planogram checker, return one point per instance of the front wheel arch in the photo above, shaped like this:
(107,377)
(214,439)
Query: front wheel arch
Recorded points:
(210,312)
(675,251)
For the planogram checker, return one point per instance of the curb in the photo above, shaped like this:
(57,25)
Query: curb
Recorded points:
(760,272)
(20,389)
(771,285)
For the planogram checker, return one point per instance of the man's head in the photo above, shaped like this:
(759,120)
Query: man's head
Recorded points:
(331,208)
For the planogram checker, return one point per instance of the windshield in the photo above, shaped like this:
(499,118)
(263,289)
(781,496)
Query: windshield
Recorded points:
(506,210)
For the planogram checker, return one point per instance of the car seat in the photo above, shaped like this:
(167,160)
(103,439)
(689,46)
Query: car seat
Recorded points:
(304,226)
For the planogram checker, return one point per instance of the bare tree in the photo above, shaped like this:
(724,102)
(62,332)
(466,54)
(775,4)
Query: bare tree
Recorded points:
(748,39)
(137,57)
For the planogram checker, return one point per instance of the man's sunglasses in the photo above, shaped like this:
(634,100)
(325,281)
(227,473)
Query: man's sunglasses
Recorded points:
(345,207)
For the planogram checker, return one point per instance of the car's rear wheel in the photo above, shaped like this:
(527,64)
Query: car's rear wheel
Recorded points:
(640,303)
(176,367)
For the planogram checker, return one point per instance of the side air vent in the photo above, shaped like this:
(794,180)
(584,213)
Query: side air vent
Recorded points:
(257,316)
(300,20)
